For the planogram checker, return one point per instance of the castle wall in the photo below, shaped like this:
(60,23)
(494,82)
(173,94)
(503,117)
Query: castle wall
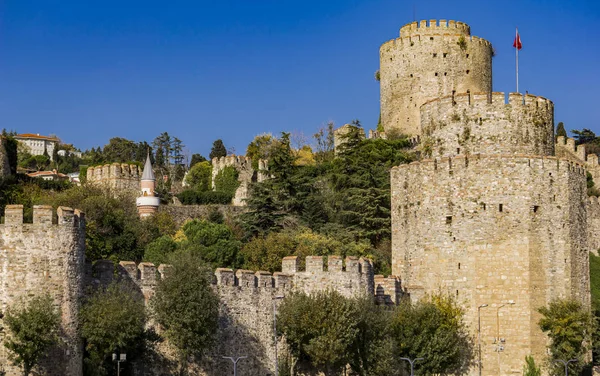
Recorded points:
(429,60)
(484,123)
(116,176)
(491,230)
(247,174)
(246,310)
(42,257)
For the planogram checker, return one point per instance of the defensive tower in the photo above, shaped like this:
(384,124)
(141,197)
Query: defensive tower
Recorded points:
(430,60)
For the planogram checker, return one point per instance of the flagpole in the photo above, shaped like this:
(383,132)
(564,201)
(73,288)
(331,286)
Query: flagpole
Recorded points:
(517,57)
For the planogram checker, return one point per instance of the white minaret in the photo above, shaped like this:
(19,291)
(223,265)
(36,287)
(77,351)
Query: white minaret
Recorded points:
(147,203)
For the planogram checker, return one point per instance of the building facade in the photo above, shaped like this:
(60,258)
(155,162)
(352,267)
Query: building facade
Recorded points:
(37,144)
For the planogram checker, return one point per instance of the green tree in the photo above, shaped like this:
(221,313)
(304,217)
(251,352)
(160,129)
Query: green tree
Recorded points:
(196,158)
(261,147)
(226,180)
(530,368)
(215,243)
(11,145)
(120,150)
(433,329)
(33,330)
(320,328)
(112,319)
(186,307)
(584,136)
(159,250)
(569,326)
(199,177)
(560,130)
(218,150)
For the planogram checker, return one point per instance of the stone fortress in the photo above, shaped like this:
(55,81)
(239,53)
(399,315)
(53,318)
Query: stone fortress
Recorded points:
(247,174)
(495,213)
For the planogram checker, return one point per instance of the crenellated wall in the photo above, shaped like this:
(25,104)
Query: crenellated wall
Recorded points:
(494,229)
(485,123)
(247,174)
(45,257)
(246,311)
(116,176)
(429,60)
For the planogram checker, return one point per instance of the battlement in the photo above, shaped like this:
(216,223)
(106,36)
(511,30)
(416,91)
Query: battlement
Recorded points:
(117,176)
(487,123)
(568,144)
(435,27)
(43,216)
(410,41)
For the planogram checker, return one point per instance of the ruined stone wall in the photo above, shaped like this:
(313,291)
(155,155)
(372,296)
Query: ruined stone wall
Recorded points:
(247,174)
(493,230)
(246,311)
(116,176)
(472,123)
(428,61)
(42,257)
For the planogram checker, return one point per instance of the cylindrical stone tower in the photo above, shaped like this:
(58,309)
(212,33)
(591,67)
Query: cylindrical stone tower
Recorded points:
(428,61)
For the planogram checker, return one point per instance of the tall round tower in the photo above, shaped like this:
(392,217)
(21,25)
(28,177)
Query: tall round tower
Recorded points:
(428,61)
(147,203)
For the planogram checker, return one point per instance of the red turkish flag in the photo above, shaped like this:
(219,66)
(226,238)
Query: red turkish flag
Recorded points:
(517,43)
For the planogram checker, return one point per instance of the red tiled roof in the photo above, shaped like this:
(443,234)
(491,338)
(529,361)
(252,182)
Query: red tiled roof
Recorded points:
(47,173)
(36,136)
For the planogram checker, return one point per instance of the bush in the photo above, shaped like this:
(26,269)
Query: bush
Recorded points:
(191,197)
(227,180)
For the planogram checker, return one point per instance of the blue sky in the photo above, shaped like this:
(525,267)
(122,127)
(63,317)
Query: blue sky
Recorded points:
(201,70)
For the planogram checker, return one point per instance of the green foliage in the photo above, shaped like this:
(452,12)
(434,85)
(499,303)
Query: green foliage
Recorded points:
(35,162)
(325,143)
(462,43)
(218,150)
(10,146)
(433,329)
(112,319)
(261,147)
(159,250)
(227,180)
(584,136)
(33,330)
(214,243)
(191,197)
(377,75)
(199,177)
(569,325)
(560,130)
(197,158)
(186,307)
(595,278)
(319,329)
(530,368)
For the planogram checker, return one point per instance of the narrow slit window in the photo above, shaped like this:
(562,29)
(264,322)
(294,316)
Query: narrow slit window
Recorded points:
(448,219)
(467,56)
(500,207)
(445,54)
(430,38)
(457,150)
(459,265)
(536,208)
(436,74)
(468,71)
(434,55)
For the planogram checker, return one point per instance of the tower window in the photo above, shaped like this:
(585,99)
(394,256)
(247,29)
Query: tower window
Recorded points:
(445,73)
(483,205)
(500,208)
(536,208)
(445,54)
(467,56)
(430,38)
(448,219)
(390,59)
(411,75)
(468,71)
(434,55)
(459,265)
(436,74)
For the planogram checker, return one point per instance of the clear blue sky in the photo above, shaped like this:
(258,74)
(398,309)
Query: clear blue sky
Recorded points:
(201,70)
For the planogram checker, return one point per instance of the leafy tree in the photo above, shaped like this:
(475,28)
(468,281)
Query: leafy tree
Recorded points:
(433,329)
(111,319)
(159,250)
(120,150)
(530,368)
(226,180)
(33,330)
(569,325)
(199,178)
(196,158)
(319,329)
(560,130)
(218,150)
(11,146)
(261,147)
(213,242)
(186,307)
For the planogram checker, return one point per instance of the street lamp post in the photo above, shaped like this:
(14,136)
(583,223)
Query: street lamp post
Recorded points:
(499,347)
(566,364)
(234,361)
(479,333)
(275,299)
(412,364)
(120,358)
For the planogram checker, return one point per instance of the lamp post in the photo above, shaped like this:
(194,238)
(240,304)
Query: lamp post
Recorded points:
(479,333)
(566,364)
(275,299)
(412,364)
(234,361)
(120,358)
(499,347)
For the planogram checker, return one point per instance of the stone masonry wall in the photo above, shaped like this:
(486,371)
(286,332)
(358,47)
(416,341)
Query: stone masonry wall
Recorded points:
(42,257)
(472,123)
(493,230)
(428,61)
(247,174)
(246,312)
(116,176)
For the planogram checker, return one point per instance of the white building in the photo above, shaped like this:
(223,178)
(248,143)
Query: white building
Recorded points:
(37,144)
